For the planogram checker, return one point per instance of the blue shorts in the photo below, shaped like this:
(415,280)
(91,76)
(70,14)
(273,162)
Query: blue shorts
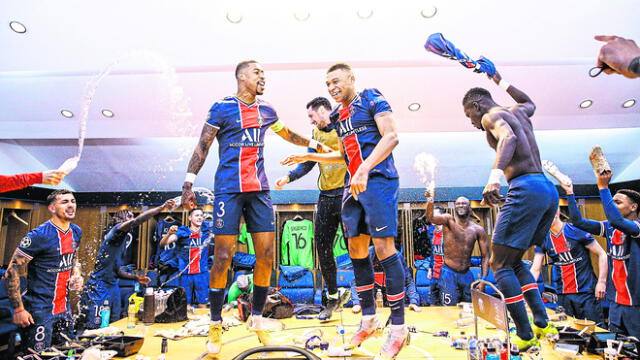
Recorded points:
(434,292)
(93,298)
(527,214)
(581,306)
(624,319)
(375,212)
(197,287)
(255,206)
(46,329)
(454,286)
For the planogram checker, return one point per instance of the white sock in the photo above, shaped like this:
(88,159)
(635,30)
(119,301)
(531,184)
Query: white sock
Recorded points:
(215,322)
(333,296)
(396,328)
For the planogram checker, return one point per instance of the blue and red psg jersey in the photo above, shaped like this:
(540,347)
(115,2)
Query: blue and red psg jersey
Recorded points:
(51,253)
(438,251)
(572,271)
(359,132)
(623,250)
(192,249)
(241,130)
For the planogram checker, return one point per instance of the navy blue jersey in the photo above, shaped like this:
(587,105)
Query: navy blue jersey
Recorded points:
(623,250)
(162,227)
(193,249)
(359,132)
(241,130)
(51,252)
(109,256)
(572,271)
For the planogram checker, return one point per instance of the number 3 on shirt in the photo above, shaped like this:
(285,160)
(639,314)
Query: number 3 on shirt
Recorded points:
(220,212)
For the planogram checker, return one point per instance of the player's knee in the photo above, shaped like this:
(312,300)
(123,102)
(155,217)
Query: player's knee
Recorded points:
(266,256)
(223,260)
(496,263)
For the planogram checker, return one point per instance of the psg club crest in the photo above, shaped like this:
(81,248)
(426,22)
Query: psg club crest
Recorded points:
(25,242)
(219,223)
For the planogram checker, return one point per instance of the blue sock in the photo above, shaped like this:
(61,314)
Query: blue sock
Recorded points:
(531,294)
(395,287)
(216,300)
(510,287)
(363,273)
(259,298)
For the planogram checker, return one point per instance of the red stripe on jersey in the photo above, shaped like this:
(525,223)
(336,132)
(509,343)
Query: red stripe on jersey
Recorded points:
(364,288)
(619,275)
(437,266)
(65,241)
(249,116)
(60,295)
(437,237)
(380,278)
(249,169)
(568,272)
(352,148)
(194,255)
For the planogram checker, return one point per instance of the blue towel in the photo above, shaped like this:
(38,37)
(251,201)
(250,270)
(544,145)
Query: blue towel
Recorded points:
(293,273)
(343,262)
(437,44)
(243,261)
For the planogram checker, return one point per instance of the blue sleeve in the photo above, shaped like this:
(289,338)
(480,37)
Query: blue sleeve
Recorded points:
(377,103)
(214,117)
(302,169)
(409,284)
(615,218)
(31,244)
(538,250)
(586,239)
(590,226)
(354,294)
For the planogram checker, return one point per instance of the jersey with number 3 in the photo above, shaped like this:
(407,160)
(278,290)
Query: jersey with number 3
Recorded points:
(297,247)
(359,133)
(50,251)
(241,130)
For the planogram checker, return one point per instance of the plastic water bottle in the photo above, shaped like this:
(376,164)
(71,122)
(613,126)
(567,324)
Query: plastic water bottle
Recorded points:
(105,314)
(131,314)
(473,346)
(379,301)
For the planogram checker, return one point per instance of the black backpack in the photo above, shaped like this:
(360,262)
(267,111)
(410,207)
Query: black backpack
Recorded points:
(277,306)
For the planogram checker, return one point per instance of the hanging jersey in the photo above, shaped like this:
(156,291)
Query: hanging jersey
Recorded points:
(193,249)
(359,132)
(241,130)
(572,271)
(422,233)
(339,244)
(245,238)
(438,250)
(297,247)
(108,260)
(623,250)
(162,227)
(51,252)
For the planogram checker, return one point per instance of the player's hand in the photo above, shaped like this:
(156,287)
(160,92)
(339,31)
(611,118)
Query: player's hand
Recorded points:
(294,159)
(567,188)
(496,77)
(188,197)
(415,307)
(173,229)
(430,195)
(491,194)
(358,182)
(22,318)
(322,148)
(52,177)
(604,179)
(481,287)
(356,309)
(144,280)
(169,205)
(601,289)
(617,53)
(281,182)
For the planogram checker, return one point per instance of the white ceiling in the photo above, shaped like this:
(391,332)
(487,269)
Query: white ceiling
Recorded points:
(545,48)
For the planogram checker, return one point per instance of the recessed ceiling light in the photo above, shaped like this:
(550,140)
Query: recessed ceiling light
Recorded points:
(17,27)
(66,113)
(629,103)
(107,113)
(365,13)
(414,106)
(585,104)
(302,15)
(429,12)
(234,17)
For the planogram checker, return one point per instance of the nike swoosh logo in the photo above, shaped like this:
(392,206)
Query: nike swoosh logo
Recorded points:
(382,228)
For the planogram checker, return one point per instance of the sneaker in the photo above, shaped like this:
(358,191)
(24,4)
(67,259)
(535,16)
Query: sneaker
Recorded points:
(334,304)
(397,339)
(549,332)
(524,345)
(214,344)
(368,328)
(254,323)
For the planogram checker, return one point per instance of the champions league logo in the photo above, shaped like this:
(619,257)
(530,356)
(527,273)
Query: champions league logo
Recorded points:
(25,242)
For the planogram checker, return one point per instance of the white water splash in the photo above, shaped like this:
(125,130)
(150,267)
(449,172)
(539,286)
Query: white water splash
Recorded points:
(425,165)
(206,193)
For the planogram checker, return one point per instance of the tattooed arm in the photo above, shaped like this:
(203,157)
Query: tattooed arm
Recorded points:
(17,268)
(293,137)
(200,153)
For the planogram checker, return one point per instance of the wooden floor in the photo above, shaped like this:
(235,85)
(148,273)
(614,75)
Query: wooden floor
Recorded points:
(423,345)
